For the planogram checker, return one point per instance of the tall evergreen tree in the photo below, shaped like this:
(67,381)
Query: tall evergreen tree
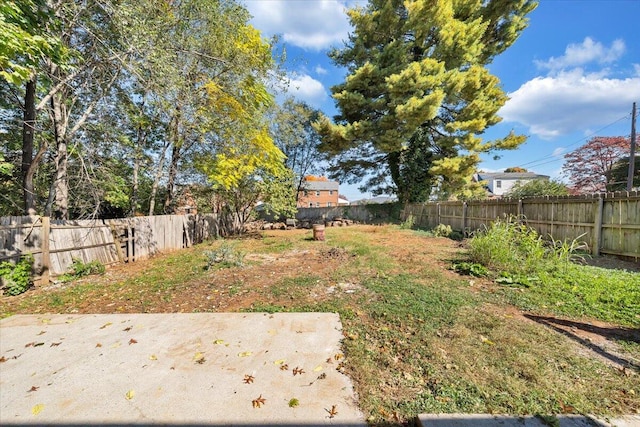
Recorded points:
(418,94)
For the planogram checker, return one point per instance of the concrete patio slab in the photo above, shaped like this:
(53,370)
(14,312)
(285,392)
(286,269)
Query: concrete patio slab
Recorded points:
(174,369)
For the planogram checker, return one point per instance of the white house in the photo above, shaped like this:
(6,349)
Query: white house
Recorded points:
(500,183)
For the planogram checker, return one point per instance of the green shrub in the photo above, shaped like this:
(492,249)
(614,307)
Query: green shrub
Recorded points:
(81,269)
(470,269)
(508,246)
(408,223)
(225,256)
(17,277)
(442,230)
(518,253)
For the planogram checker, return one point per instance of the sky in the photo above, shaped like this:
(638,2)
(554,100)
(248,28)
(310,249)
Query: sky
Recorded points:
(573,74)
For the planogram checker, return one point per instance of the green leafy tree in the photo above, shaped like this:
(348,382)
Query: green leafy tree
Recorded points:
(618,175)
(537,187)
(245,173)
(418,94)
(293,133)
(24,39)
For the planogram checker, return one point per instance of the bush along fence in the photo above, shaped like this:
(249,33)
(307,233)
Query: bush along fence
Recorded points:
(608,222)
(367,213)
(54,244)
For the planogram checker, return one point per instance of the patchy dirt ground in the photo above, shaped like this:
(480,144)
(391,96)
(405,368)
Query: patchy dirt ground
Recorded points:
(264,277)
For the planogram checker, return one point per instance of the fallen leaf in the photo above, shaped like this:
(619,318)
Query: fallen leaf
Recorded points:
(3,359)
(105,325)
(129,395)
(55,344)
(566,409)
(132,341)
(486,340)
(258,402)
(248,379)
(127,329)
(284,367)
(293,403)
(98,345)
(38,344)
(333,411)
(46,320)
(244,354)
(33,388)
(297,371)
(37,409)
(42,332)
(279,362)
(218,342)
(153,357)
(317,368)
(116,345)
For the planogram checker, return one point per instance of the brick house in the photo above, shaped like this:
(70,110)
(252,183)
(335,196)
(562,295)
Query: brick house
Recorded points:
(318,193)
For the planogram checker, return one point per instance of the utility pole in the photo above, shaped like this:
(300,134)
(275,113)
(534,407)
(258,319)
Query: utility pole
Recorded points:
(632,159)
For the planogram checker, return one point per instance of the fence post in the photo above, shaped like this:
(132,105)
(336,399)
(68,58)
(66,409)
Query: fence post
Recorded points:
(46,255)
(116,241)
(464,218)
(597,227)
(438,215)
(520,212)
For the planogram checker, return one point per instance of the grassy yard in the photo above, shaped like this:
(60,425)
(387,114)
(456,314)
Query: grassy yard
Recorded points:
(419,337)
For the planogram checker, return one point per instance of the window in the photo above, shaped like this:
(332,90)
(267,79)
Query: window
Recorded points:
(317,204)
(317,193)
(306,193)
(310,204)
(329,204)
(331,192)
(498,184)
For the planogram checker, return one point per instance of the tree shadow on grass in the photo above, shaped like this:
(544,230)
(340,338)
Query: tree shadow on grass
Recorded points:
(569,329)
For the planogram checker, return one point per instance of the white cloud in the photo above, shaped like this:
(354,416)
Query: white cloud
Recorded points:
(320,70)
(313,25)
(559,152)
(636,68)
(571,101)
(305,88)
(589,51)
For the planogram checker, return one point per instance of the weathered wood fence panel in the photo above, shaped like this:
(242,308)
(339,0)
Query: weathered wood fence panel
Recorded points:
(608,223)
(621,225)
(55,244)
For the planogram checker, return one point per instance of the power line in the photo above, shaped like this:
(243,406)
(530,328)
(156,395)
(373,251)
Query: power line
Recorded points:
(535,163)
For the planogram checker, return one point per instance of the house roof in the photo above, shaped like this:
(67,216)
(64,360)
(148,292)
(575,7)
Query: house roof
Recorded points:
(320,185)
(482,176)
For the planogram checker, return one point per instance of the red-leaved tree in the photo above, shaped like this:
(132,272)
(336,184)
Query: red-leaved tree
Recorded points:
(587,166)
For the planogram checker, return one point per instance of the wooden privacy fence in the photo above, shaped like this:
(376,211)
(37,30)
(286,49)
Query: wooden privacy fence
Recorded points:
(54,243)
(609,222)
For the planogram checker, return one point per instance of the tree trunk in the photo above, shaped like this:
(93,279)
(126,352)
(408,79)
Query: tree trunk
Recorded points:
(156,180)
(137,158)
(175,158)
(171,182)
(28,132)
(61,186)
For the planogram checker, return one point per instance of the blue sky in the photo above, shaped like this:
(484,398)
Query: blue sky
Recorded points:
(573,73)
